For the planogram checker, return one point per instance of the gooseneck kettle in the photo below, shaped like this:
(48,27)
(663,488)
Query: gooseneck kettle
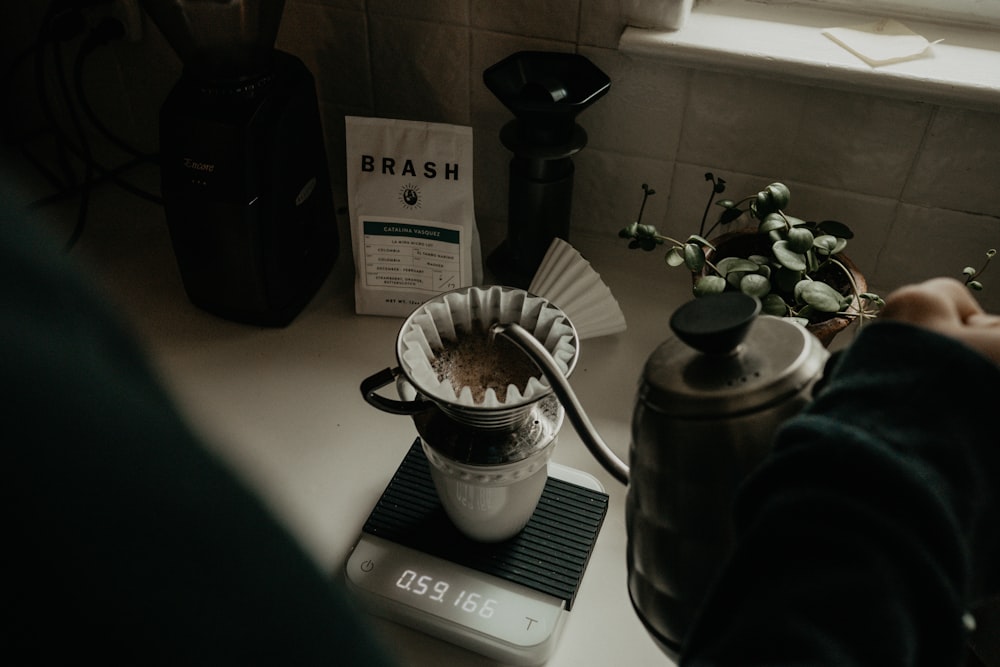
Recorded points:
(710,400)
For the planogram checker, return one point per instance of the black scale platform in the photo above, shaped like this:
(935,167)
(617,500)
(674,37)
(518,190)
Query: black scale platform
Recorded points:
(550,555)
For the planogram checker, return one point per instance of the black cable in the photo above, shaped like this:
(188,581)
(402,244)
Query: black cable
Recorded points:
(87,183)
(62,22)
(100,179)
(56,25)
(108,30)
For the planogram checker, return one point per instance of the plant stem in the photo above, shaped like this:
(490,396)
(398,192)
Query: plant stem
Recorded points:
(712,228)
(989,256)
(708,207)
(860,314)
(646,192)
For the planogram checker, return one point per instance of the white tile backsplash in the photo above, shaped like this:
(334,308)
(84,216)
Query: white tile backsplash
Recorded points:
(788,131)
(642,113)
(958,166)
(917,182)
(547,19)
(427,63)
(928,242)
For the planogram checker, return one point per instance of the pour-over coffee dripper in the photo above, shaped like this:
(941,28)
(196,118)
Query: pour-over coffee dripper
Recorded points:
(244,175)
(545,91)
(488,456)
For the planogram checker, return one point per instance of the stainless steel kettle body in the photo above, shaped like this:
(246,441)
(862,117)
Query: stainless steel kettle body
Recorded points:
(709,403)
(685,470)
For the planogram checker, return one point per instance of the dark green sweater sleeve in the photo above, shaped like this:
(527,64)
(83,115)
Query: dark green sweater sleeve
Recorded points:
(125,541)
(866,536)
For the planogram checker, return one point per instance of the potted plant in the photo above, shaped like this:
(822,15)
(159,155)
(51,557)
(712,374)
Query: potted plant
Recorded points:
(795,267)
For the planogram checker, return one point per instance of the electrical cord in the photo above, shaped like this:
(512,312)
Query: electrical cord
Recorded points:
(88,177)
(107,31)
(62,22)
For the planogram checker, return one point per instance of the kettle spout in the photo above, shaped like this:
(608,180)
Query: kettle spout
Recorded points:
(528,344)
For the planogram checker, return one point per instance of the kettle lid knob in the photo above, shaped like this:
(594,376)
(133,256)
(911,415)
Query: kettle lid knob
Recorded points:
(717,323)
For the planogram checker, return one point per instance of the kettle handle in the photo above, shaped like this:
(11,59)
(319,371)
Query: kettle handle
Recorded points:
(560,386)
(371,385)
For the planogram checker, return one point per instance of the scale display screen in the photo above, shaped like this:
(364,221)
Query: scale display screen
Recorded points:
(508,600)
(489,615)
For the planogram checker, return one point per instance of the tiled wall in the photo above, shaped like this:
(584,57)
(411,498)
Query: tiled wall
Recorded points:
(918,183)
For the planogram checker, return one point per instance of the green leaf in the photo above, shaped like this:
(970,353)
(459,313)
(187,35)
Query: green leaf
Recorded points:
(772,304)
(700,240)
(674,256)
(975,285)
(969,271)
(872,298)
(709,285)
(819,295)
(629,231)
(726,203)
(799,239)
(780,194)
(694,257)
(827,244)
(788,258)
(729,215)
(838,229)
(755,285)
(646,230)
(772,222)
(727,265)
(786,279)
(812,261)
(763,205)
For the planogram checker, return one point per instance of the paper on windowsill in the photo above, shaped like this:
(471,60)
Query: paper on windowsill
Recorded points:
(880,43)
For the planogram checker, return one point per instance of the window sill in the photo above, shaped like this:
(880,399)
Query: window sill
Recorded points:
(786,41)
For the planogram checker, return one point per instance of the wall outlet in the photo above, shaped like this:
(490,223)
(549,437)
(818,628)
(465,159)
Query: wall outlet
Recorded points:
(126,12)
(129,13)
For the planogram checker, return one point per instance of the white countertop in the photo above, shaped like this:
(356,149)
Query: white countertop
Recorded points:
(283,406)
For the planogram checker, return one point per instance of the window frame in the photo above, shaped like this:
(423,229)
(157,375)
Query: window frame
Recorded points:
(985,13)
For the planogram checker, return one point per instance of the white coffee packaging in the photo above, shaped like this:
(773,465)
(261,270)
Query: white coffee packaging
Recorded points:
(413,224)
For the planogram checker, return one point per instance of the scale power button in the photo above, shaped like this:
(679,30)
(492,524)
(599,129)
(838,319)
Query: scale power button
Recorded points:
(367,565)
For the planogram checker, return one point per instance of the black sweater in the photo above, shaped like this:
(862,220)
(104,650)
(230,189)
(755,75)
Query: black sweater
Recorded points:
(875,525)
(125,541)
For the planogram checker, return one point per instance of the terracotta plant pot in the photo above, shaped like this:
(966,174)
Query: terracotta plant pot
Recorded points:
(748,242)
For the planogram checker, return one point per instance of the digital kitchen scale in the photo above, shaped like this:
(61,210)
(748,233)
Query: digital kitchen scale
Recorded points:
(507,601)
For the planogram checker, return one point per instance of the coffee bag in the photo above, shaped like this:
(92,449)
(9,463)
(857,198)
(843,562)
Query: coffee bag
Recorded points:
(413,225)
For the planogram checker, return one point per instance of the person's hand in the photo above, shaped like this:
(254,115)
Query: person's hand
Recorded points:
(946,306)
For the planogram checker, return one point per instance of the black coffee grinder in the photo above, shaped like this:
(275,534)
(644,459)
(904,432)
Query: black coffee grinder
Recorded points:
(545,91)
(244,173)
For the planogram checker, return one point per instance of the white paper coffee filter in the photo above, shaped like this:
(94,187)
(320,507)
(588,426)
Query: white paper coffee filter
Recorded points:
(475,309)
(570,282)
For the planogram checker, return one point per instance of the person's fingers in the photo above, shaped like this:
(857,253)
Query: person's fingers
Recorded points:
(940,302)
(946,306)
